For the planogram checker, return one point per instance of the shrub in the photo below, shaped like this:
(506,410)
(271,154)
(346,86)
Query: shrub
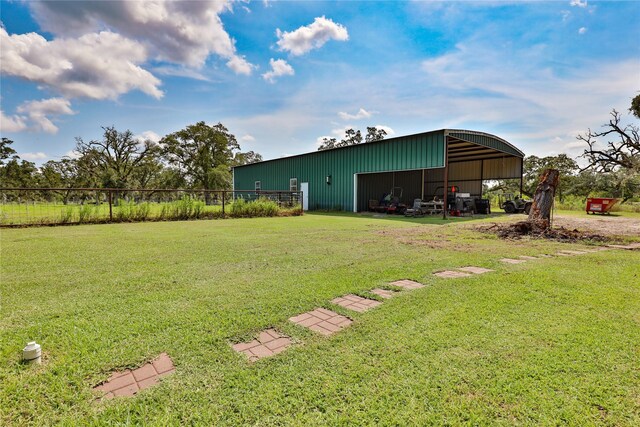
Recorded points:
(261,207)
(66,215)
(142,211)
(85,213)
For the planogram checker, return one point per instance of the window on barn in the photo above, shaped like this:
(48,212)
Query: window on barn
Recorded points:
(258,186)
(293,184)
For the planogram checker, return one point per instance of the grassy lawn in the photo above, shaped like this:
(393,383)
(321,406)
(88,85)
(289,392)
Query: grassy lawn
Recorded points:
(548,342)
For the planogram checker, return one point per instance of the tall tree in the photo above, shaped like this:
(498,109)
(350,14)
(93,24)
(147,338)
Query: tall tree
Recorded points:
(246,158)
(113,160)
(202,153)
(635,106)
(375,134)
(6,152)
(616,147)
(353,137)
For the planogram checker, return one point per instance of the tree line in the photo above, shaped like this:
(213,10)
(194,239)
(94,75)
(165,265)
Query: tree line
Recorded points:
(198,157)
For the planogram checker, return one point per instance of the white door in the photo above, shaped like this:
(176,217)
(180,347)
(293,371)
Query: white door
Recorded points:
(304,187)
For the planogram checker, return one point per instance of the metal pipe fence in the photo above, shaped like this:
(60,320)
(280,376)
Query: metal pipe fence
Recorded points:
(56,206)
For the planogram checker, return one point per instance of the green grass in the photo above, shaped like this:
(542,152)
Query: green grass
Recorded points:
(549,342)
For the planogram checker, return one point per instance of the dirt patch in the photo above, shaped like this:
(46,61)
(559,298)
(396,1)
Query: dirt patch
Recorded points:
(525,229)
(608,225)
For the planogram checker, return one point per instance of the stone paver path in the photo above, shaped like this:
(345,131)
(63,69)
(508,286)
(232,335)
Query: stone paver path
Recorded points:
(356,303)
(322,321)
(384,293)
(128,383)
(630,247)
(513,261)
(268,343)
(475,270)
(407,284)
(527,257)
(450,274)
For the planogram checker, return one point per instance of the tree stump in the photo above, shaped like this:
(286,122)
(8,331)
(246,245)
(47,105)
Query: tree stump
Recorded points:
(540,213)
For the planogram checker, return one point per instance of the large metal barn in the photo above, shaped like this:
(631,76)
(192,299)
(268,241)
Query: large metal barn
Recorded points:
(422,166)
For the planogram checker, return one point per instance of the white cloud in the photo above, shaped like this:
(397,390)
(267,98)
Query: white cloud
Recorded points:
(12,123)
(40,111)
(582,30)
(312,36)
(184,32)
(579,3)
(279,67)
(240,65)
(148,135)
(361,114)
(33,156)
(525,94)
(98,66)
(180,71)
(247,138)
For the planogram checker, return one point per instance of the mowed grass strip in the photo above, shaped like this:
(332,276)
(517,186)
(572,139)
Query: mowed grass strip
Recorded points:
(555,341)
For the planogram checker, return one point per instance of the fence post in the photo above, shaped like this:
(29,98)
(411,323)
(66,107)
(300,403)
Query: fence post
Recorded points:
(110,205)
(223,194)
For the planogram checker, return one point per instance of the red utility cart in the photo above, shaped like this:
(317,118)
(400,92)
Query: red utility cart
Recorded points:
(601,205)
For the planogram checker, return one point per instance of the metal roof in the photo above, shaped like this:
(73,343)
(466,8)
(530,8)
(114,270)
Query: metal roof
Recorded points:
(463,144)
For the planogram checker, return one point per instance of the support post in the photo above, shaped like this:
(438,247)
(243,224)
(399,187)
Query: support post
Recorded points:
(481,177)
(223,194)
(422,190)
(521,174)
(110,205)
(446,179)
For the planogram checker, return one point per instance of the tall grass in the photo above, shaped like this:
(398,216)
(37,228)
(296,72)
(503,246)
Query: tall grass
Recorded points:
(258,208)
(186,208)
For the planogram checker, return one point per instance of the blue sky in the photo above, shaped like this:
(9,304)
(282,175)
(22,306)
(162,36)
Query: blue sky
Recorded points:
(281,75)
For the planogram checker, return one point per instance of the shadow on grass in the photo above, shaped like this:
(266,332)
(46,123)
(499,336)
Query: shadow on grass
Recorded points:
(427,219)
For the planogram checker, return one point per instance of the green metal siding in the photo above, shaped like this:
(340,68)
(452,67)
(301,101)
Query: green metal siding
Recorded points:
(420,151)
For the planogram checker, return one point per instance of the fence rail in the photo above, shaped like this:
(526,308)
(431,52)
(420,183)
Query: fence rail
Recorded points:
(53,206)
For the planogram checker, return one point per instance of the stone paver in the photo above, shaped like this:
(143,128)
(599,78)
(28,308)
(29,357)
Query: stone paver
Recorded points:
(450,274)
(268,343)
(407,284)
(356,303)
(513,261)
(545,256)
(475,270)
(564,254)
(630,247)
(574,252)
(527,257)
(128,383)
(321,320)
(384,293)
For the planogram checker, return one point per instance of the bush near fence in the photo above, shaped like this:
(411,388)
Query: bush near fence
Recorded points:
(44,207)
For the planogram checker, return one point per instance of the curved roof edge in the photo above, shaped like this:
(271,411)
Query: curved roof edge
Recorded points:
(516,151)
